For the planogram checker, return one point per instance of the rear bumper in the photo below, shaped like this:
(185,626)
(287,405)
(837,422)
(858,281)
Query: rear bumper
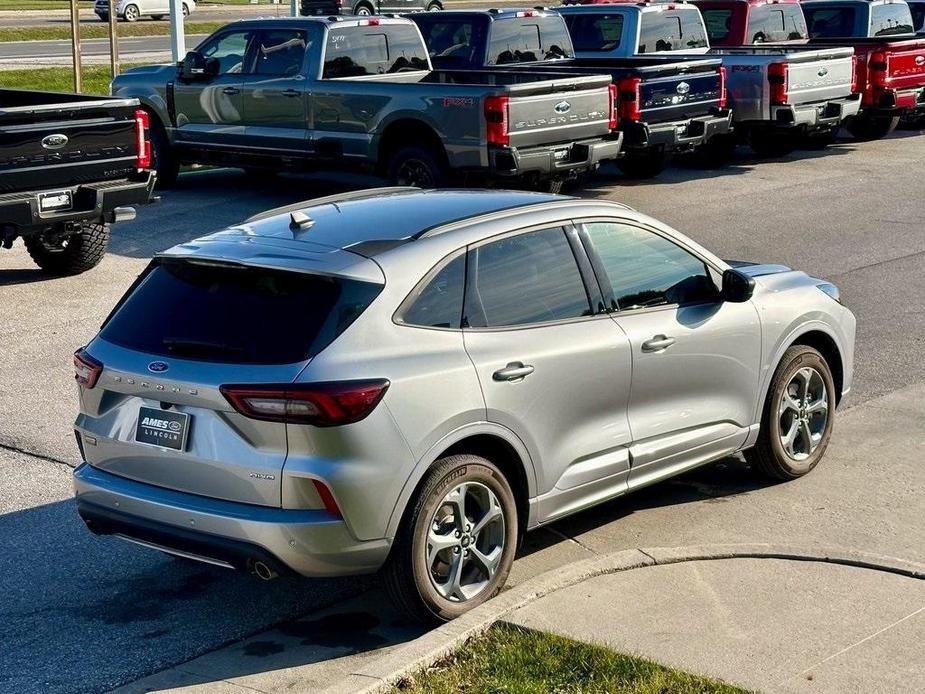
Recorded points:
(306,542)
(895,102)
(551,161)
(676,135)
(826,114)
(92,202)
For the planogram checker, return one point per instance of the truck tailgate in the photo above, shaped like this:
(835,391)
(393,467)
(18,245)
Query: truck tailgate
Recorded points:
(905,64)
(559,116)
(819,80)
(56,145)
(679,97)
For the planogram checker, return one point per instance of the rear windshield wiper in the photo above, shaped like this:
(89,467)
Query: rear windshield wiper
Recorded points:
(186,347)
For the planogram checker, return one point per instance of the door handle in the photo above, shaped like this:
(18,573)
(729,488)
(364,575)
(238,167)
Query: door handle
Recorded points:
(291,92)
(514,371)
(231,91)
(657,343)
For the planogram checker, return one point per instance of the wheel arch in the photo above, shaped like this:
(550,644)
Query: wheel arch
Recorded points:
(488,440)
(405,130)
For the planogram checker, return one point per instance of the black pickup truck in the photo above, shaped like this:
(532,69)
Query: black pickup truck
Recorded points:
(70,164)
(666,103)
(292,93)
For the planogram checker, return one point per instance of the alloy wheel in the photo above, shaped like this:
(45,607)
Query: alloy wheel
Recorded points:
(803,413)
(414,172)
(465,541)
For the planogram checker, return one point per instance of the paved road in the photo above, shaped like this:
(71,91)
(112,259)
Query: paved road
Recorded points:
(83,614)
(130,48)
(205,13)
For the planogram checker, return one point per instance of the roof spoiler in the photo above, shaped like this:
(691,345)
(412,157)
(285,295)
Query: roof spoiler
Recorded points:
(329,200)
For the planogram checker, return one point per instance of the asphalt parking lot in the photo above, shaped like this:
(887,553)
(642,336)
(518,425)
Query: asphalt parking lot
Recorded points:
(87,614)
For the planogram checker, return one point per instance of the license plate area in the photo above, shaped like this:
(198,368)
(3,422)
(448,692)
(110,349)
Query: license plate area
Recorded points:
(56,201)
(162,428)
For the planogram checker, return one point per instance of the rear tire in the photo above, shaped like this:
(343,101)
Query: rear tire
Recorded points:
(801,382)
(416,166)
(648,165)
(419,575)
(363,10)
(716,152)
(163,158)
(867,128)
(131,13)
(435,7)
(71,255)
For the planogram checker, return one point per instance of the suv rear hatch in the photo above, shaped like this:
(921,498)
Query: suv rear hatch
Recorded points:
(230,313)
(50,140)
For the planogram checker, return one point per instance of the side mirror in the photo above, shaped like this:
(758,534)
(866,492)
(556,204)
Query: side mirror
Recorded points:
(193,66)
(737,287)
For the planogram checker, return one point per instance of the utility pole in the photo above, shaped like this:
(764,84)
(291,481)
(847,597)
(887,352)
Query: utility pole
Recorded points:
(75,44)
(177,35)
(294,8)
(113,40)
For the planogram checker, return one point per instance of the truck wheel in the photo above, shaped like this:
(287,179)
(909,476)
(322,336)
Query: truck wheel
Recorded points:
(646,165)
(916,122)
(798,413)
(163,158)
(70,255)
(716,152)
(434,7)
(455,547)
(416,166)
(866,128)
(771,144)
(363,10)
(131,13)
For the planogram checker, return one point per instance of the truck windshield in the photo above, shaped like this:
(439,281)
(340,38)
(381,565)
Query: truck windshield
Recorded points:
(666,30)
(829,22)
(534,39)
(452,42)
(595,32)
(245,315)
(379,50)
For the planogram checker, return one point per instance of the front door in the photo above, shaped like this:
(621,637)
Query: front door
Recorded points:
(275,95)
(550,371)
(209,111)
(696,359)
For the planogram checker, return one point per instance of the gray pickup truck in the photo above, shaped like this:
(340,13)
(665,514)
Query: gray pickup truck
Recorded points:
(70,164)
(323,92)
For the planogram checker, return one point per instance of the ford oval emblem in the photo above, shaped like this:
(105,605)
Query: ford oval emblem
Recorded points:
(683,88)
(55,141)
(823,72)
(920,60)
(158,367)
(563,107)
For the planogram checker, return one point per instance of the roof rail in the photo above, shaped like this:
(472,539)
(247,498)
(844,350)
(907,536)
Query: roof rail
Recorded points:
(328,200)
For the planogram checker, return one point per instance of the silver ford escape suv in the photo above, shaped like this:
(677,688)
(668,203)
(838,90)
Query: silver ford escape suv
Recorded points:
(409,380)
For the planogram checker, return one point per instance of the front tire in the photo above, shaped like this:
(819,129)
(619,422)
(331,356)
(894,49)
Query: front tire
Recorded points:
(131,13)
(70,255)
(416,166)
(867,128)
(798,416)
(455,548)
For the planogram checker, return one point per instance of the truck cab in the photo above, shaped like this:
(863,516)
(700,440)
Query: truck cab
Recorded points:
(858,18)
(746,22)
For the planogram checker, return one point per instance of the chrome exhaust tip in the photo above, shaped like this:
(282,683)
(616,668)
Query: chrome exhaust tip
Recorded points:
(263,571)
(123,214)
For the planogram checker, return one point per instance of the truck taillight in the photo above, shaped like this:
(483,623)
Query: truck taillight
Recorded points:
(878,69)
(319,404)
(368,23)
(630,98)
(142,144)
(496,119)
(723,95)
(612,117)
(777,81)
(87,370)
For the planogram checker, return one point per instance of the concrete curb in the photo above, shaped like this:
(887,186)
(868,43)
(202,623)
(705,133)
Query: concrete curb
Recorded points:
(381,674)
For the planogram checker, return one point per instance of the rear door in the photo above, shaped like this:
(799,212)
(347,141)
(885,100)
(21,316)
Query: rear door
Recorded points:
(275,93)
(696,359)
(210,112)
(158,414)
(550,371)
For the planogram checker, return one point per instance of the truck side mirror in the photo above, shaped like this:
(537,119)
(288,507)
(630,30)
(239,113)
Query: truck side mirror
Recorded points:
(737,287)
(194,66)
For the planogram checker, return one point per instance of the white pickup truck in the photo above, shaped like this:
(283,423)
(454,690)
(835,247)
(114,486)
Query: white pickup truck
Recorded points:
(780,97)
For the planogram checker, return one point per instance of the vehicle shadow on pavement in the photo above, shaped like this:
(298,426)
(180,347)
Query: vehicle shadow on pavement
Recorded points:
(21,276)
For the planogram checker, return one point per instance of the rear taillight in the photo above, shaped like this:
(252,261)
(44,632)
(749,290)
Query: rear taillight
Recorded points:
(630,98)
(87,370)
(142,144)
(777,81)
(319,404)
(878,69)
(612,116)
(855,74)
(723,96)
(496,119)
(369,23)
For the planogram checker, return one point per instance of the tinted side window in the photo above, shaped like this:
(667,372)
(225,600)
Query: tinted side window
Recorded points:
(597,32)
(230,49)
(719,23)
(451,42)
(529,278)
(645,269)
(671,31)
(281,52)
(376,52)
(534,40)
(918,15)
(439,303)
(894,18)
(825,22)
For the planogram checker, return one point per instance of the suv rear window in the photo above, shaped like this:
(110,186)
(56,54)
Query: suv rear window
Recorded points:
(241,315)
(671,31)
(378,51)
(531,40)
(595,32)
